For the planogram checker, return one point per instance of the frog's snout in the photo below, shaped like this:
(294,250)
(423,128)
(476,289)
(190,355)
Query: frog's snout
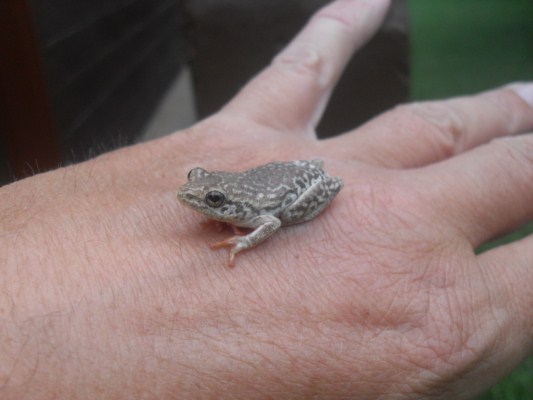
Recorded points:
(188,199)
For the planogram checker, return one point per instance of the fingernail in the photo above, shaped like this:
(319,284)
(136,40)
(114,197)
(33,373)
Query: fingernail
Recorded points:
(525,91)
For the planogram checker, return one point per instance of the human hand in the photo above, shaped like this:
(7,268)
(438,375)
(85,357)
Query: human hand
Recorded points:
(109,289)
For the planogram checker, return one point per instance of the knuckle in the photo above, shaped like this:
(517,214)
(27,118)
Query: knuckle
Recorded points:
(437,122)
(304,60)
(448,121)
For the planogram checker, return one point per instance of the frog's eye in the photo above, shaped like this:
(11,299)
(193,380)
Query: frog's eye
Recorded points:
(215,199)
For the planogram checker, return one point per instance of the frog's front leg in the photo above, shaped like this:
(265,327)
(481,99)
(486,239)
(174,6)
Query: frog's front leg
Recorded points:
(265,226)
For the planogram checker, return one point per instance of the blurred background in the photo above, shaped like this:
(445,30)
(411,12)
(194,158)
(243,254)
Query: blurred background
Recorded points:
(80,77)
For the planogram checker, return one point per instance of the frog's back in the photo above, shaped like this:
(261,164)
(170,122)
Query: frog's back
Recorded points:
(277,178)
(271,188)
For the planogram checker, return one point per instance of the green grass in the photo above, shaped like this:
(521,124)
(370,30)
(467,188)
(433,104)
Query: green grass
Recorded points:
(465,46)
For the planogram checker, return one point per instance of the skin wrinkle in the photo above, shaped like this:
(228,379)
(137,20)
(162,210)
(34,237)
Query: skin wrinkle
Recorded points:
(31,331)
(392,302)
(20,214)
(439,295)
(378,318)
(326,360)
(442,196)
(519,150)
(239,362)
(444,124)
(390,199)
(414,142)
(416,121)
(514,279)
(303,59)
(26,380)
(364,205)
(493,305)
(449,356)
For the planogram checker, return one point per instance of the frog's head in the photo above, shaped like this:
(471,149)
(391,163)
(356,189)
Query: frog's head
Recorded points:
(210,194)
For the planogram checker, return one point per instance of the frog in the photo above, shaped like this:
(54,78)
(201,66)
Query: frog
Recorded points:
(263,199)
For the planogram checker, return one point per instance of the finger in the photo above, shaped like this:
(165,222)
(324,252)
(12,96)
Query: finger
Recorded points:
(497,296)
(292,92)
(509,268)
(422,133)
(485,192)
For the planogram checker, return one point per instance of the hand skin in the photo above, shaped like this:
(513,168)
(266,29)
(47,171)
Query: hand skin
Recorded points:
(109,289)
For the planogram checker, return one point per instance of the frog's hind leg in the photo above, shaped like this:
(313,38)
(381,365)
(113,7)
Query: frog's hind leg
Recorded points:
(266,226)
(312,202)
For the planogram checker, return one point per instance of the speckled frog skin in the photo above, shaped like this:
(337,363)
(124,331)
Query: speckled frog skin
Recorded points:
(263,198)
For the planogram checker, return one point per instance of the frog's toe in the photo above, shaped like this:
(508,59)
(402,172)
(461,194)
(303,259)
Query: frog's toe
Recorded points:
(236,243)
(231,261)
(230,242)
